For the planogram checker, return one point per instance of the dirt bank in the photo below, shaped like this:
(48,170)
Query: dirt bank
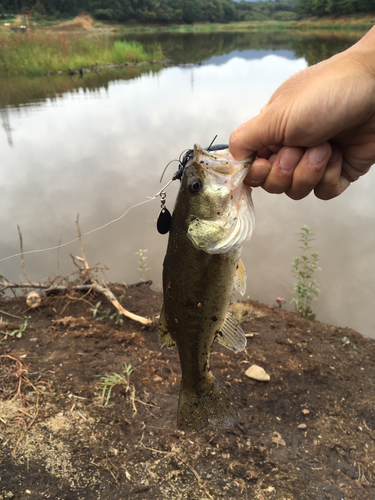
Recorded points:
(309,433)
(82,22)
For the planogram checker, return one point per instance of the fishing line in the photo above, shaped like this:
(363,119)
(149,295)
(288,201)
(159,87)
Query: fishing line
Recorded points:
(150,198)
(165,168)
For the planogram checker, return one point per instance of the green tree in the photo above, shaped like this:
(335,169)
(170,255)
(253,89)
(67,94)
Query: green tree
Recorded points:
(305,8)
(191,11)
(40,8)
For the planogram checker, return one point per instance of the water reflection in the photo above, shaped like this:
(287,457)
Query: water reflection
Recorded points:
(182,48)
(22,91)
(249,54)
(5,115)
(97,146)
(194,48)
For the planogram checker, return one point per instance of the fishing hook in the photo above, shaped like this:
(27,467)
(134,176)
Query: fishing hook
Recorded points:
(189,154)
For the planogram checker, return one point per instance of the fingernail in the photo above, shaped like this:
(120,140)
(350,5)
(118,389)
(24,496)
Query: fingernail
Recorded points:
(289,158)
(254,180)
(255,183)
(318,154)
(335,156)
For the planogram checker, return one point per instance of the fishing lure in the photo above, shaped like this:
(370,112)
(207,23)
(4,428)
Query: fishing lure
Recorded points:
(164,221)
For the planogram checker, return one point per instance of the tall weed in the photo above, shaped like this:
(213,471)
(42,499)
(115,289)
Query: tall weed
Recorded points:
(306,288)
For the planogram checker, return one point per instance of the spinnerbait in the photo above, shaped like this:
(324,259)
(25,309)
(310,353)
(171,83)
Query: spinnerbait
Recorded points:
(164,220)
(163,224)
(189,154)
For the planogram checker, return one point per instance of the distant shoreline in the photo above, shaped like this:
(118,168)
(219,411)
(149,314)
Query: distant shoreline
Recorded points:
(83,44)
(86,24)
(38,53)
(334,24)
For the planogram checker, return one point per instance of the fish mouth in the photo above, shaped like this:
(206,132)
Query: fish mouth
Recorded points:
(222,162)
(222,217)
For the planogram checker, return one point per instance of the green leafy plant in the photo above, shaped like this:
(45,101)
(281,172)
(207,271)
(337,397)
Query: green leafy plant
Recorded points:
(108,382)
(95,310)
(345,341)
(142,263)
(304,268)
(19,332)
(108,313)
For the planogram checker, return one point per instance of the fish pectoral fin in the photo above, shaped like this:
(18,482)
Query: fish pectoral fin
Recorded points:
(220,235)
(205,233)
(165,337)
(240,278)
(231,335)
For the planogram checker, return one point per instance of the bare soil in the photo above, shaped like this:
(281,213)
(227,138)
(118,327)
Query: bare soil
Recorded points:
(80,22)
(308,433)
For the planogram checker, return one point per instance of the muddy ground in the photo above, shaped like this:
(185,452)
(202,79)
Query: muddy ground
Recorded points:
(308,433)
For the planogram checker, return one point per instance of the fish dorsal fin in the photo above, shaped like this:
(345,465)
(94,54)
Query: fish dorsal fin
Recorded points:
(231,335)
(240,278)
(165,337)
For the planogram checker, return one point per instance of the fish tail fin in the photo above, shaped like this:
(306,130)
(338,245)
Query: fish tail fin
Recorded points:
(205,405)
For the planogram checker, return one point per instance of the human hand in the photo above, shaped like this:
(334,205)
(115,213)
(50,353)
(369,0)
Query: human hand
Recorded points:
(317,132)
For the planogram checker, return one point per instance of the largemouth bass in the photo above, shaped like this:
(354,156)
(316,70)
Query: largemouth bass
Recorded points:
(212,218)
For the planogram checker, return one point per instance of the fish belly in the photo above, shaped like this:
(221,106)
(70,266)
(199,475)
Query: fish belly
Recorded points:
(196,299)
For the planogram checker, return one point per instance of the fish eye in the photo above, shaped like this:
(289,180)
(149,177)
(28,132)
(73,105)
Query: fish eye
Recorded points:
(195,186)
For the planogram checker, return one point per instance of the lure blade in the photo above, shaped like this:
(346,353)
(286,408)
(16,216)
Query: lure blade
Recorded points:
(163,224)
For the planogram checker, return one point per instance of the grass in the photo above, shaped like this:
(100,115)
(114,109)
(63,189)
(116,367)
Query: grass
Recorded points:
(108,382)
(38,53)
(243,312)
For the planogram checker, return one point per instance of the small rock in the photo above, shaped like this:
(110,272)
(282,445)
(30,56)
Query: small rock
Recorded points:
(277,439)
(257,373)
(305,412)
(302,426)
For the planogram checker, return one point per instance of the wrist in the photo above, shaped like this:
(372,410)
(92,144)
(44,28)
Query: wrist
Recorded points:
(364,52)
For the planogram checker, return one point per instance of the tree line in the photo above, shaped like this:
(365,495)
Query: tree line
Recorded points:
(187,11)
(306,8)
(153,11)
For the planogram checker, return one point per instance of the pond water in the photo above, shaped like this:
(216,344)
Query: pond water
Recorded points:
(97,145)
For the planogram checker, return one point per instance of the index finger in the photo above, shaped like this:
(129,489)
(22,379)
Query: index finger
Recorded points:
(239,147)
(254,135)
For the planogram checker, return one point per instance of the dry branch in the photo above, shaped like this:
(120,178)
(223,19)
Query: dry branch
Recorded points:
(84,260)
(81,288)
(107,292)
(22,259)
(85,275)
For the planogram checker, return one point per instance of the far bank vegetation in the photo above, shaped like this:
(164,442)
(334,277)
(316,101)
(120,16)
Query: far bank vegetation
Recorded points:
(184,11)
(41,53)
